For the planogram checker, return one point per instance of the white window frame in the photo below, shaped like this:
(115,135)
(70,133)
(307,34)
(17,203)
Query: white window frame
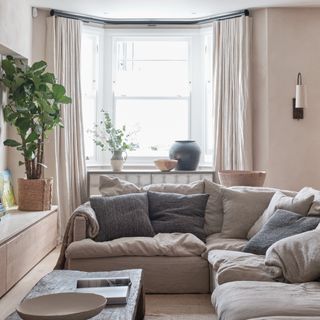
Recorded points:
(106,97)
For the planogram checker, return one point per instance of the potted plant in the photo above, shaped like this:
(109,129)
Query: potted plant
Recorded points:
(33,108)
(118,141)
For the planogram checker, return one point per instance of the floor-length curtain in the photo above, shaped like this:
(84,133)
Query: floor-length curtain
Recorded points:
(63,56)
(232,127)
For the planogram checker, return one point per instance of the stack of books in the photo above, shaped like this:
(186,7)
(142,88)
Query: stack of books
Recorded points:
(2,210)
(115,290)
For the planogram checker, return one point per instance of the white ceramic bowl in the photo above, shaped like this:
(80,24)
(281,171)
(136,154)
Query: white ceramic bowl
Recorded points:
(165,164)
(62,306)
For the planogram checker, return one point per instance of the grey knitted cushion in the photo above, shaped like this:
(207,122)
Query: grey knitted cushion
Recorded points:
(173,212)
(281,225)
(122,216)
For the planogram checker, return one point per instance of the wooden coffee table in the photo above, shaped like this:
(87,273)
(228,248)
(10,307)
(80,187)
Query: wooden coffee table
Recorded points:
(65,281)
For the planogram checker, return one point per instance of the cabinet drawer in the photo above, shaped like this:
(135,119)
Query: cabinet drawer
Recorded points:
(28,248)
(3,269)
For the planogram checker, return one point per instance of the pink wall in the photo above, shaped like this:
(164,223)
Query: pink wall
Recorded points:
(286,41)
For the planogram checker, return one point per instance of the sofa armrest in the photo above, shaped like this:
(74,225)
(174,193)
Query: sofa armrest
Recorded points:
(79,229)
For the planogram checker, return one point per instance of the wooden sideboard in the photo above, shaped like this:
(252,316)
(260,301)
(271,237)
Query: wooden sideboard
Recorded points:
(145,177)
(25,239)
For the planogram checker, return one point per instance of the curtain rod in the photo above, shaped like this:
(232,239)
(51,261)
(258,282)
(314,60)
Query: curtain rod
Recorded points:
(153,22)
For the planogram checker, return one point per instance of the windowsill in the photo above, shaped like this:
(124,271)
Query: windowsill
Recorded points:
(139,168)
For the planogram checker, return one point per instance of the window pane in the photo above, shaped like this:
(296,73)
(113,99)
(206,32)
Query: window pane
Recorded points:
(152,68)
(154,78)
(89,65)
(153,50)
(159,123)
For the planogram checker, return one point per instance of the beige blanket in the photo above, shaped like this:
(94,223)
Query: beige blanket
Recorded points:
(92,227)
(297,257)
(162,244)
(241,266)
(243,300)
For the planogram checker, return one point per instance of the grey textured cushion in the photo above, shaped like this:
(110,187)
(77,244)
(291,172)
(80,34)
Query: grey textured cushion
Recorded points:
(173,212)
(281,225)
(300,203)
(122,216)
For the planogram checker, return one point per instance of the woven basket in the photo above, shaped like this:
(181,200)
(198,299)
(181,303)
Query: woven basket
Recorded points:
(230,178)
(35,195)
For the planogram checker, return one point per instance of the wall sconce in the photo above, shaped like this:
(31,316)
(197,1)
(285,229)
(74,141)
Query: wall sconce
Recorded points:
(299,102)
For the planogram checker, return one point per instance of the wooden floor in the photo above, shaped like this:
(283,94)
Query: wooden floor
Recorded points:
(158,307)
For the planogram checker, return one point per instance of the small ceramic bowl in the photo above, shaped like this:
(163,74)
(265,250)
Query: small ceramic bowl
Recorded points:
(165,164)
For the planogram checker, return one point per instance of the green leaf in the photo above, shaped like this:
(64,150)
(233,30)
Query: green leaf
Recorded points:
(32,137)
(23,124)
(11,143)
(39,67)
(48,78)
(8,67)
(65,100)
(21,163)
(58,91)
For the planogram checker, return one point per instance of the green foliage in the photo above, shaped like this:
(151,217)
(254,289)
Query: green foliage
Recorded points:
(34,100)
(107,137)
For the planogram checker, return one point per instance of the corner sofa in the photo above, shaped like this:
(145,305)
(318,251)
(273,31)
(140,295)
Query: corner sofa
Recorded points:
(181,263)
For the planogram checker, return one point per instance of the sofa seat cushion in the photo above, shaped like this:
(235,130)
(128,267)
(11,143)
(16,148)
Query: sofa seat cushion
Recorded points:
(242,300)
(163,244)
(160,274)
(230,266)
(216,241)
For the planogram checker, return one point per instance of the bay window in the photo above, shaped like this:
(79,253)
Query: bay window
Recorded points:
(156,82)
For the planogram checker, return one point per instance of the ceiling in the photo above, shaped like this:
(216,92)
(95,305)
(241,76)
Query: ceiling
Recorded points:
(163,9)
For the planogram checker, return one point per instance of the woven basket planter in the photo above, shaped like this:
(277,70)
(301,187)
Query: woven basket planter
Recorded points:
(230,178)
(35,195)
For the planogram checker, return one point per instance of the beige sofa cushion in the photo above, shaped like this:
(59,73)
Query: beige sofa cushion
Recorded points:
(160,274)
(240,211)
(315,207)
(240,266)
(301,204)
(162,244)
(297,257)
(191,188)
(214,211)
(242,300)
(112,186)
(216,241)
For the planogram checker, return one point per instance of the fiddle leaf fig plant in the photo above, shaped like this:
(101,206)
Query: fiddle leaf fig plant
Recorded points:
(33,108)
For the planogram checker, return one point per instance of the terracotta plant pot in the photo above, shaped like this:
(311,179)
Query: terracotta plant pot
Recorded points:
(35,195)
(230,178)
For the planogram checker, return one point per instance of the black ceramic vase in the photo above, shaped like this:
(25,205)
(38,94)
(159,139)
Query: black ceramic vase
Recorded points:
(187,152)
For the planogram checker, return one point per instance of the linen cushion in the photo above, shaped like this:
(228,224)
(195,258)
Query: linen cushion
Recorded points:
(173,212)
(298,257)
(241,209)
(214,210)
(243,300)
(112,186)
(240,266)
(281,225)
(162,244)
(315,207)
(300,204)
(122,216)
(195,187)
